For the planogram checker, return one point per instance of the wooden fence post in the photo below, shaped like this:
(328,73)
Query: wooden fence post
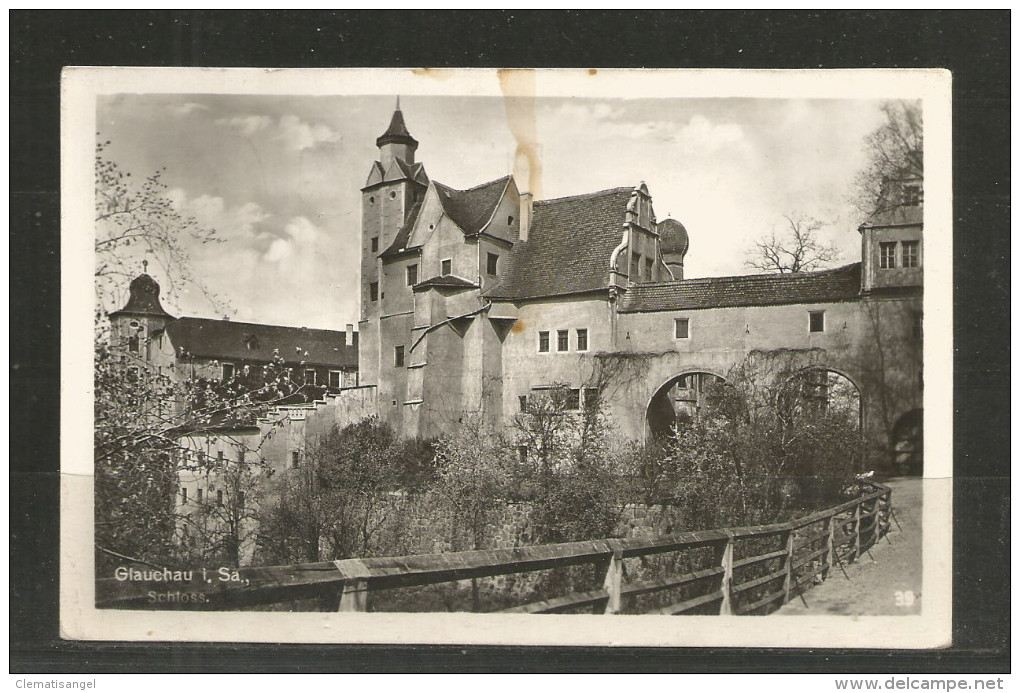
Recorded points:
(857,531)
(829,547)
(354,594)
(613,582)
(726,608)
(788,580)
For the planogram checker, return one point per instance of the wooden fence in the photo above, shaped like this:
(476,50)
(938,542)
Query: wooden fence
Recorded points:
(745,570)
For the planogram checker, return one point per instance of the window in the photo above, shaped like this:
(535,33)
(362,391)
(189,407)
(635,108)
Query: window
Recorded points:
(917,327)
(159,340)
(887,255)
(295,459)
(591,397)
(240,500)
(219,498)
(228,371)
(219,457)
(310,377)
(132,374)
(510,220)
(911,195)
(412,275)
(911,253)
(371,200)
(582,339)
(562,340)
(334,379)
(816,321)
(375,244)
(492,264)
(398,356)
(522,454)
(543,341)
(573,401)
(373,291)
(446,267)
(198,496)
(522,402)
(184,494)
(648,267)
(134,344)
(393,194)
(682,328)
(635,267)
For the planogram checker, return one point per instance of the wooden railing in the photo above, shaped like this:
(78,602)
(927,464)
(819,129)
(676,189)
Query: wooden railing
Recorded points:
(728,571)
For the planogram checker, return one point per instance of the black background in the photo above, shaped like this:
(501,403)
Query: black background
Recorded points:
(973,45)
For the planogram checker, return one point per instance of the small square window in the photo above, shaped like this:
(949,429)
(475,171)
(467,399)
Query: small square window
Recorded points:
(492,264)
(911,253)
(682,328)
(334,379)
(543,341)
(228,371)
(373,291)
(582,339)
(911,195)
(446,267)
(887,255)
(412,275)
(816,321)
(562,340)
(375,244)
(398,356)
(310,377)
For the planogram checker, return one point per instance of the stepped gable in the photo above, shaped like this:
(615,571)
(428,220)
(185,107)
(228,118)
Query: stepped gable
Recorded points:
(471,209)
(826,286)
(245,341)
(569,245)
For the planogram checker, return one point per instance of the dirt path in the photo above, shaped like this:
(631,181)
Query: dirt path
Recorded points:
(888,582)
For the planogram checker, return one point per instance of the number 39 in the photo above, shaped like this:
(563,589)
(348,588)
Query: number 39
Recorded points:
(905,598)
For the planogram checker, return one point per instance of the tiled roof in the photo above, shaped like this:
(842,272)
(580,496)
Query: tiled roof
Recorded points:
(826,286)
(471,209)
(399,243)
(569,246)
(245,341)
(445,281)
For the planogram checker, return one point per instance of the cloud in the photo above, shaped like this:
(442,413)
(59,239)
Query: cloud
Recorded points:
(300,135)
(232,223)
(294,133)
(246,125)
(610,122)
(183,110)
(301,238)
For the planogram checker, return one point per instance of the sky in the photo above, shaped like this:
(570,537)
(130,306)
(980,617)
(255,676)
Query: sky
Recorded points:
(279,177)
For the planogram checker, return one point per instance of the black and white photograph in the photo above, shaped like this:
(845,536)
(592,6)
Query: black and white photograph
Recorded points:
(587,357)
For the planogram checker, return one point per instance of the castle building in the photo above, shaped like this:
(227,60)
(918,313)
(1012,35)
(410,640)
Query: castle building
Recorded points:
(474,300)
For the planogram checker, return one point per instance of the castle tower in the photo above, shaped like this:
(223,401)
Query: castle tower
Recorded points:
(133,325)
(393,191)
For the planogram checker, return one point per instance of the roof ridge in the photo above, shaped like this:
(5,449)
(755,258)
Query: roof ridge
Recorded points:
(585,196)
(476,187)
(258,324)
(762,276)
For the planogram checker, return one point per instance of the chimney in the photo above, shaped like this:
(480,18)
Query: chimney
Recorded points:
(526,206)
(349,340)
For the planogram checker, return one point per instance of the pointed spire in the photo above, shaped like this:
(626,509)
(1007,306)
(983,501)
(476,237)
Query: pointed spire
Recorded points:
(397,132)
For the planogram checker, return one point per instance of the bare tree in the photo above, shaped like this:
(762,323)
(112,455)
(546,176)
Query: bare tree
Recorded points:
(895,151)
(796,249)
